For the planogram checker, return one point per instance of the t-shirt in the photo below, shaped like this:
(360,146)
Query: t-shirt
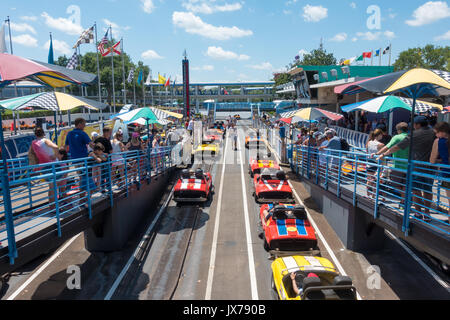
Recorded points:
(106,143)
(386,139)
(334,143)
(77,140)
(402,153)
(422,144)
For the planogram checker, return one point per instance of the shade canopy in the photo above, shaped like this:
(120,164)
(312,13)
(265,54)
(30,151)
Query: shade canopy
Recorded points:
(14,68)
(351,88)
(143,122)
(313,114)
(386,103)
(54,101)
(133,115)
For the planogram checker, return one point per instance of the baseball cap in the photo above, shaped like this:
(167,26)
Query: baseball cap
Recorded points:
(421,120)
(94,135)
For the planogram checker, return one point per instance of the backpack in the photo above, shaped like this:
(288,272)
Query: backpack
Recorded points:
(344,145)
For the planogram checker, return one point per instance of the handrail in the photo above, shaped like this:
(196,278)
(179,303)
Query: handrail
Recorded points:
(48,193)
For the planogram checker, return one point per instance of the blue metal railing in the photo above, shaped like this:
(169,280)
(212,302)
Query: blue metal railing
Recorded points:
(382,182)
(47,194)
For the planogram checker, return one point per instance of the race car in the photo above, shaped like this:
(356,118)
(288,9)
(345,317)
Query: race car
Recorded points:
(257,165)
(287,228)
(213,135)
(254,140)
(207,148)
(237,117)
(271,186)
(193,187)
(315,277)
(349,168)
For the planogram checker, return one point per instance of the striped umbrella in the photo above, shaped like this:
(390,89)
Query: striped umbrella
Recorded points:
(314,114)
(386,103)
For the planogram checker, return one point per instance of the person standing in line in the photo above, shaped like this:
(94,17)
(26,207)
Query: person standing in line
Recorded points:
(117,160)
(441,154)
(77,141)
(373,146)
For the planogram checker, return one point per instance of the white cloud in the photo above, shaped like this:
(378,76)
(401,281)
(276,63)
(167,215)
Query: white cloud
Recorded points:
(208,6)
(22,27)
(389,34)
(59,47)
(193,24)
(151,55)
(62,24)
(203,68)
(29,18)
(314,13)
(429,12)
(354,39)
(25,40)
(445,36)
(353,5)
(147,6)
(116,29)
(220,54)
(287,12)
(340,37)
(262,66)
(369,36)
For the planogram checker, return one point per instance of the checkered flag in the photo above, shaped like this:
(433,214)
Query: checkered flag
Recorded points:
(73,62)
(421,106)
(86,37)
(443,74)
(130,76)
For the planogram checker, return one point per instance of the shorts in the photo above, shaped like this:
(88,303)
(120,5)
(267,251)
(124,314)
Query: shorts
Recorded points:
(423,183)
(398,177)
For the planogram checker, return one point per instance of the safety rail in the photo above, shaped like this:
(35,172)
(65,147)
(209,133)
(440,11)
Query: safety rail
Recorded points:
(42,195)
(423,197)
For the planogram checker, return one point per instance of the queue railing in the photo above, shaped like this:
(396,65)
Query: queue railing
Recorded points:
(49,193)
(422,197)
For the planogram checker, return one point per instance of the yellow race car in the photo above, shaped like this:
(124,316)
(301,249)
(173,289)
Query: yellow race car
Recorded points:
(316,279)
(206,149)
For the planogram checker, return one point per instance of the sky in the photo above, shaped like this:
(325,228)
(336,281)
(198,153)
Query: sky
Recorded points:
(228,40)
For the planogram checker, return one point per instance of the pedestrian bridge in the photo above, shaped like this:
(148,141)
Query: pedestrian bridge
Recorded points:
(44,205)
(358,195)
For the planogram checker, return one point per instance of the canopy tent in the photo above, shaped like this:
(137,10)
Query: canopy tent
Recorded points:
(14,68)
(314,114)
(386,103)
(351,88)
(53,101)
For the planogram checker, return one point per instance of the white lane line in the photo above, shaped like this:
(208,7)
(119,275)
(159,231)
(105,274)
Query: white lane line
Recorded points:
(415,257)
(138,249)
(216,227)
(42,268)
(322,238)
(251,260)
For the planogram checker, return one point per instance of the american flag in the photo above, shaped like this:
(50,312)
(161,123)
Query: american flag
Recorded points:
(73,62)
(103,42)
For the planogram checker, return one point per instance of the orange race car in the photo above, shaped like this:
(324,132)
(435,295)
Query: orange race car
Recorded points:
(272,187)
(257,165)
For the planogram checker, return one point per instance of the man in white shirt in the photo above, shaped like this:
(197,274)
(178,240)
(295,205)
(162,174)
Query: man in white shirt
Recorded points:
(233,135)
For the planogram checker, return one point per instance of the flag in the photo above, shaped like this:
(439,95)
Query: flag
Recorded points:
(130,76)
(3,48)
(141,75)
(103,43)
(360,58)
(167,83)
(161,79)
(149,78)
(349,61)
(115,48)
(377,53)
(51,59)
(367,55)
(73,62)
(86,37)
(387,50)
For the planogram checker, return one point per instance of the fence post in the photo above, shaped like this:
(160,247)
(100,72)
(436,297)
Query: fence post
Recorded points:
(338,193)
(111,195)
(55,191)
(408,200)
(355,180)
(126,173)
(88,189)
(377,193)
(12,248)
(139,171)
(326,173)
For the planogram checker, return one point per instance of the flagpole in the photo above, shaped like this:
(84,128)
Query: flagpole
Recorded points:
(123,74)
(143,85)
(380,55)
(134,91)
(390,53)
(112,64)
(98,66)
(15,85)
(371,63)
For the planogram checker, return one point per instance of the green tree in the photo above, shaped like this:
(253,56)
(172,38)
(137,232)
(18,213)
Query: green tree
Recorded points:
(281,78)
(429,57)
(317,57)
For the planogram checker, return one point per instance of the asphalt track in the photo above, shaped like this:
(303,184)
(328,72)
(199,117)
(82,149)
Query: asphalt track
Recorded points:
(196,253)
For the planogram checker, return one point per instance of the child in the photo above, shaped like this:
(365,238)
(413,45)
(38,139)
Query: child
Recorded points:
(98,156)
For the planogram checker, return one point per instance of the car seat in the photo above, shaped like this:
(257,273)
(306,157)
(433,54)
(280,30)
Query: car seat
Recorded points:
(281,175)
(199,174)
(185,174)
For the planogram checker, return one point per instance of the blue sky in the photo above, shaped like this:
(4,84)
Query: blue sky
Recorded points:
(228,40)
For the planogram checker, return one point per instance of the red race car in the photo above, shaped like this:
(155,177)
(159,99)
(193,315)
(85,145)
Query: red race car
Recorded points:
(286,228)
(213,135)
(272,187)
(193,187)
(257,165)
